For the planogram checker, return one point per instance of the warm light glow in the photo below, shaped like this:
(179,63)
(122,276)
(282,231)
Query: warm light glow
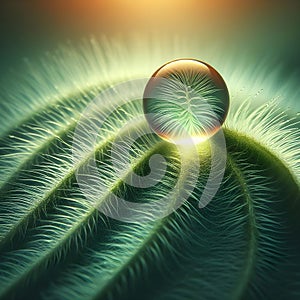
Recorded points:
(193,140)
(121,16)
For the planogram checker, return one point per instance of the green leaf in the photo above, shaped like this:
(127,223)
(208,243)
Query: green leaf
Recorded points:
(56,244)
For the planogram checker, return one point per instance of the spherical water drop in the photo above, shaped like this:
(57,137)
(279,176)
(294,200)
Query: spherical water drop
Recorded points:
(186,99)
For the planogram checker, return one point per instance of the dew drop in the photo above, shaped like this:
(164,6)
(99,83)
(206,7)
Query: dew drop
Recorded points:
(186,99)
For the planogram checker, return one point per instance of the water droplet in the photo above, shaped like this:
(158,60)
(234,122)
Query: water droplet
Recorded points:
(186,99)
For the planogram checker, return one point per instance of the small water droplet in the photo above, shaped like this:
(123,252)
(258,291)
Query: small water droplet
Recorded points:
(186,98)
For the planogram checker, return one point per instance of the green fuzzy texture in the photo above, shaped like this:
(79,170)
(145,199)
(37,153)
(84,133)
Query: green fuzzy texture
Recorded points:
(54,244)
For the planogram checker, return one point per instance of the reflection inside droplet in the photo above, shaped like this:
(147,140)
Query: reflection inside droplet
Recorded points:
(186,99)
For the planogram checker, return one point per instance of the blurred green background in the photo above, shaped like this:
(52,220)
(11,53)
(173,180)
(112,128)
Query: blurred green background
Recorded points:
(264,28)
